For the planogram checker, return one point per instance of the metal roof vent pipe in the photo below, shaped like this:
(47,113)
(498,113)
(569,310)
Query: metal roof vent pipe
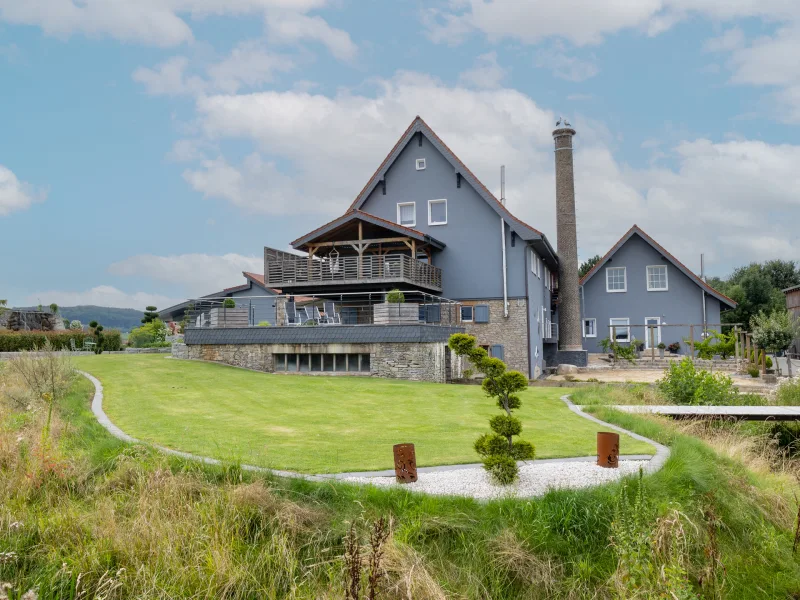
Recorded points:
(503,239)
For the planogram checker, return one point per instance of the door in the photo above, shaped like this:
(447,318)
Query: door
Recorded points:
(656,332)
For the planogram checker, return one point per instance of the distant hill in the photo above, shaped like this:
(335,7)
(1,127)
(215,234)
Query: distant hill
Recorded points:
(123,319)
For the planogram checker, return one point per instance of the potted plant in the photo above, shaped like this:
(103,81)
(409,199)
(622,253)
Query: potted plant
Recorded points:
(395,310)
(661,347)
(674,347)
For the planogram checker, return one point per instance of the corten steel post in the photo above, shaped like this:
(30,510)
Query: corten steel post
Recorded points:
(607,449)
(569,309)
(405,463)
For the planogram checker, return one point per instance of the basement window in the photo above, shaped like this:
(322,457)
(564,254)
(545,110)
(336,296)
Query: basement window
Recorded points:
(421,164)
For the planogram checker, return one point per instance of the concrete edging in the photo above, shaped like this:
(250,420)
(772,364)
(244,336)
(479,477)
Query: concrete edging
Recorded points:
(655,463)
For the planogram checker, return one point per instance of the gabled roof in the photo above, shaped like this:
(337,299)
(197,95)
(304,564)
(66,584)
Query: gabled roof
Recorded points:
(522,229)
(636,230)
(258,279)
(794,288)
(353,215)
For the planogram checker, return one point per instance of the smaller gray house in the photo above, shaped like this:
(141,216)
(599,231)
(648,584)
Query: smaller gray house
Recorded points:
(253,295)
(638,287)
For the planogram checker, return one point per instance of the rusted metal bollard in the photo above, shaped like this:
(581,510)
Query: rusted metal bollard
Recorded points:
(607,449)
(405,463)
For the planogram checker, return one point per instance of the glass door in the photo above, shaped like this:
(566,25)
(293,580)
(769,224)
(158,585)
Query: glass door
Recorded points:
(651,332)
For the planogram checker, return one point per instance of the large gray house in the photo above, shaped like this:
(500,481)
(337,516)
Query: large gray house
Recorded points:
(425,224)
(640,291)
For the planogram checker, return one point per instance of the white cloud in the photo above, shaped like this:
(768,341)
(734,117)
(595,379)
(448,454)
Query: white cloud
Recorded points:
(248,65)
(564,66)
(485,73)
(152,22)
(585,22)
(15,194)
(327,147)
(292,27)
(169,78)
(730,40)
(102,295)
(197,274)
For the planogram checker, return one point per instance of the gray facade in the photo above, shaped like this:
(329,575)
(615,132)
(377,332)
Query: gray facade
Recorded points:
(675,308)
(472,259)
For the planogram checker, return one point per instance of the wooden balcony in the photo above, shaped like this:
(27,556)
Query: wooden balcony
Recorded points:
(290,272)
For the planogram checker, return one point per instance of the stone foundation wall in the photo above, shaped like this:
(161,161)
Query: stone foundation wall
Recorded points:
(511,332)
(415,362)
(249,356)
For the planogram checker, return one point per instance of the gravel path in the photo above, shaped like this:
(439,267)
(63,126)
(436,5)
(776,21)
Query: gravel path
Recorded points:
(535,479)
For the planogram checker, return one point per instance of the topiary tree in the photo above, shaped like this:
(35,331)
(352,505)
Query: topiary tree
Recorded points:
(75,325)
(150,314)
(499,451)
(96,331)
(54,308)
(395,297)
(229,303)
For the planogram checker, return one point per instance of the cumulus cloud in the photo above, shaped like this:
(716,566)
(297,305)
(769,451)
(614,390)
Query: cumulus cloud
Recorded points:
(485,73)
(292,27)
(565,66)
(169,78)
(102,295)
(153,22)
(15,194)
(197,274)
(327,147)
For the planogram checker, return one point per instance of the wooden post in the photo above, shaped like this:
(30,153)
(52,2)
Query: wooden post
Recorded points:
(736,343)
(652,343)
(691,340)
(763,363)
(747,348)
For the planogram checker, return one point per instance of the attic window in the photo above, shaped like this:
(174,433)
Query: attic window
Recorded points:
(420,164)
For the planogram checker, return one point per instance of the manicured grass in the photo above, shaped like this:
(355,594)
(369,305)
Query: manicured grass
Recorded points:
(320,424)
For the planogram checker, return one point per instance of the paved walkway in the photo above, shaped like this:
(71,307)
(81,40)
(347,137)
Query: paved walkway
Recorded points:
(654,464)
(741,413)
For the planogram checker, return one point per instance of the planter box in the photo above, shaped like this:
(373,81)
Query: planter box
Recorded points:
(396,314)
(229,317)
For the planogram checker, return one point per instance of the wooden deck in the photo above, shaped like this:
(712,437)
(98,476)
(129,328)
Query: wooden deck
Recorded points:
(738,413)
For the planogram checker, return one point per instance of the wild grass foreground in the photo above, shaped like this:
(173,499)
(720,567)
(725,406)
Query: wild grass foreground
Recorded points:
(84,516)
(318,424)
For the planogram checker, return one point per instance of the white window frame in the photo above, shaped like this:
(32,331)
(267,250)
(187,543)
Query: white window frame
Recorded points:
(546,278)
(618,325)
(647,332)
(594,328)
(421,164)
(538,266)
(666,278)
(399,221)
(430,214)
(533,261)
(472,312)
(624,279)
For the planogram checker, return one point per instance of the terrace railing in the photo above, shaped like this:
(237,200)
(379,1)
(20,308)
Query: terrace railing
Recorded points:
(285,270)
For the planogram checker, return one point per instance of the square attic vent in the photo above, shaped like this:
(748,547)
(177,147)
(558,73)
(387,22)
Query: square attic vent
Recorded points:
(420,164)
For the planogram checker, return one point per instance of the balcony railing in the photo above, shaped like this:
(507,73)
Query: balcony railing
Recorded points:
(285,270)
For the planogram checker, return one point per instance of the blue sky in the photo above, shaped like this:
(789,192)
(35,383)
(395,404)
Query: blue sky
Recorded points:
(149,150)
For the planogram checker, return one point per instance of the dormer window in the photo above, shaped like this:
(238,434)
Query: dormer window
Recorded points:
(420,164)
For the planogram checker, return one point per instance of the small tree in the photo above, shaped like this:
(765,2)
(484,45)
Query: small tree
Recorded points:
(150,314)
(395,297)
(54,308)
(96,331)
(76,325)
(499,450)
(229,303)
(587,265)
(776,331)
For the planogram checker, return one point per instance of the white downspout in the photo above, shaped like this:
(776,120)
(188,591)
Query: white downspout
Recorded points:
(703,277)
(503,239)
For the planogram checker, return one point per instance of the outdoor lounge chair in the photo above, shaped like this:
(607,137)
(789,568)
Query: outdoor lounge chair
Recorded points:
(331,316)
(293,316)
(312,314)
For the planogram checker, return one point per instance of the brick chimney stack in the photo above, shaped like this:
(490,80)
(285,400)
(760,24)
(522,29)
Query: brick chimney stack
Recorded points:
(569,311)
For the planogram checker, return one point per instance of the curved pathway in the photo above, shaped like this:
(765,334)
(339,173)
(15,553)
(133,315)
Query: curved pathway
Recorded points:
(648,464)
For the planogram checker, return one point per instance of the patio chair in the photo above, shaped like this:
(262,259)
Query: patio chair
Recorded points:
(293,316)
(72,346)
(331,316)
(312,314)
(88,345)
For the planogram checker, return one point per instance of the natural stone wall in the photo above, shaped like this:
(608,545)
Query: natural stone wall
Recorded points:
(511,332)
(416,362)
(180,351)
(249,356)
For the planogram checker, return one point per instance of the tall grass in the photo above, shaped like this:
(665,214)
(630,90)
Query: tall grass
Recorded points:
(89,517)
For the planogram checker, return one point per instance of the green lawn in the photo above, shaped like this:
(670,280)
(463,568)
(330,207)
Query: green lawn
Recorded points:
(320,424)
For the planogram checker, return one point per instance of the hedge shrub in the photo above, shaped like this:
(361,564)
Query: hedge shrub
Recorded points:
(16,341)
